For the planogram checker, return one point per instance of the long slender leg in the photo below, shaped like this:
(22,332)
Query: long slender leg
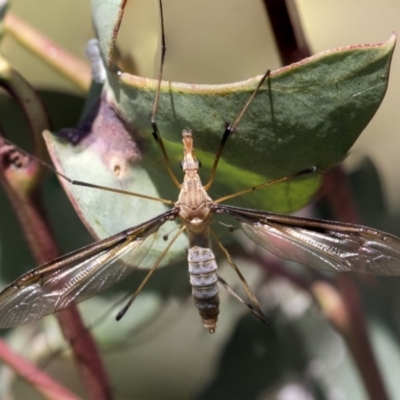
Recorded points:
(122,312)
(156,133)
(255,305)
(231,128)
(237,297)
(81,183)
(306,171)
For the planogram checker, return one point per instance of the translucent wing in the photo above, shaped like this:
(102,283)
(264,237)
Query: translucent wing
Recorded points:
(76,276)
(320,244)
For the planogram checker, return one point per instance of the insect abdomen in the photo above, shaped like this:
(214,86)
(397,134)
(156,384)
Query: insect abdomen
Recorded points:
(204,281)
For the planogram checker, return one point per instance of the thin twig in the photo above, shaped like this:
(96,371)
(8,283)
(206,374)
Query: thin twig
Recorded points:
(286,26)
(65,63)
(43,383)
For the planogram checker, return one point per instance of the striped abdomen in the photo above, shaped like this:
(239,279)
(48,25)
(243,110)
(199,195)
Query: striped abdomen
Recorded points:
(204,281)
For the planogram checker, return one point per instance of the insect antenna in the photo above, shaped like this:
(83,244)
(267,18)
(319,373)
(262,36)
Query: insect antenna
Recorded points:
(156,132)
(255,305)
(231,128)
(122,312)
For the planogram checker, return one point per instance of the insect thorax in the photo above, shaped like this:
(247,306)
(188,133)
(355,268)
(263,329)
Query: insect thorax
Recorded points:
(194,203)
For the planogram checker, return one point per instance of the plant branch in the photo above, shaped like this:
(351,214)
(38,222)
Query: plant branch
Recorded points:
(21,177)
(353,325)
(286,26)
(43,383)
(65,63)
(342,308)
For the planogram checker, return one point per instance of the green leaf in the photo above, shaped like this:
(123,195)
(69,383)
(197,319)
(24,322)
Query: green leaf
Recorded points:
(107,156)
(107,17)
(307,114)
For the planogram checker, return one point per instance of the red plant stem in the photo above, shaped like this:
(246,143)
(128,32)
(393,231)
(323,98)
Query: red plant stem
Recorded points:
(32,219)
(22,184)
(336,188)
(287,29)
(44,384)
(349,317)
(338,193)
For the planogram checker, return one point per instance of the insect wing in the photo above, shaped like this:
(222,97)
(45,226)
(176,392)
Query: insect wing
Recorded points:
(320,244)
(46,290)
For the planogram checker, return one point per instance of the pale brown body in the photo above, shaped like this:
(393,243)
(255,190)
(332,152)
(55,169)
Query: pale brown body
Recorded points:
(194,210)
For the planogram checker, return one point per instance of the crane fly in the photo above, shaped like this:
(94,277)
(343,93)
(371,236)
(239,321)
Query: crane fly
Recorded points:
(320,244)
